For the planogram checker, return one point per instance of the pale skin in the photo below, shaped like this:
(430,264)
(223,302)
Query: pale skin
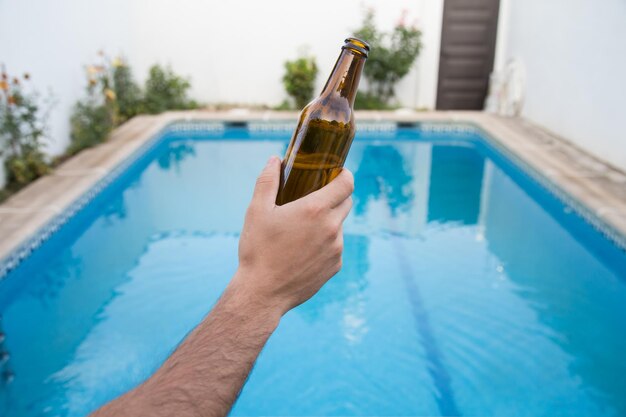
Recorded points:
(286,254)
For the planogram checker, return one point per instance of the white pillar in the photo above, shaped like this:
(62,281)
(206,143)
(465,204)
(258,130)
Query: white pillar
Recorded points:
(431,20)
(502,36)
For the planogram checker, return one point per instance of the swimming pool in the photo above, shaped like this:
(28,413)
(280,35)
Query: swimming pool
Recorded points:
(467,288)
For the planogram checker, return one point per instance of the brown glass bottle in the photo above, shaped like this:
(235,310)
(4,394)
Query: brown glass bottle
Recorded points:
(320,144)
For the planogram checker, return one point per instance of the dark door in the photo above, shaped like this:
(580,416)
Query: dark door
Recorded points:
(468,43)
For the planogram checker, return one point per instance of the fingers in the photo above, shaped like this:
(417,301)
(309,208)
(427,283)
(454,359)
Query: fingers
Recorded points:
(336,192)
(337,253)
(344,208)
(267,183)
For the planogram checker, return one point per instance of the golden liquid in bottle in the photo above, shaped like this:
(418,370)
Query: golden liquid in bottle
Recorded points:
(322,152)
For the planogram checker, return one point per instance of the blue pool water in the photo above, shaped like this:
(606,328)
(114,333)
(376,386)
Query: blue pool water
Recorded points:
(466,289)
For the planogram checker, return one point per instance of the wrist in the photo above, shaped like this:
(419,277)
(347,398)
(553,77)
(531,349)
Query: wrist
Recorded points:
(252,298)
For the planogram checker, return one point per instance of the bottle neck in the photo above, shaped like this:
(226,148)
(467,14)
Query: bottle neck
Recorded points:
(344,80)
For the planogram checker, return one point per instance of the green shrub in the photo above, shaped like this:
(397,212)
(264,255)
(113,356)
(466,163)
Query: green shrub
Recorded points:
(91,123)
(25,168)
(390,59)
(299,80)
(368,101)
(166,91)
(112,97)
(284,105)
(22,128)
(128,94)
(95,116)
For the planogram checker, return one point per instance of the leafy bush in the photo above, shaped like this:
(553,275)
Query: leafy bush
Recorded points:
(25,168)
(390,59)
(22,128)
(284,105)
(113,97)
(369,101)
(91,122)
(299,80)
(127,92)
(166,91)
(95,116)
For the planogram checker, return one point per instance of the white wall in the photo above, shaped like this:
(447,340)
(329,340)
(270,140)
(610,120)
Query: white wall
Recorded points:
(235,56)
(574,52)
(233,50)
(52,40)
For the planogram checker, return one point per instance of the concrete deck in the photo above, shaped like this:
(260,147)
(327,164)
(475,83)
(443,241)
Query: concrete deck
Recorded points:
(594,188)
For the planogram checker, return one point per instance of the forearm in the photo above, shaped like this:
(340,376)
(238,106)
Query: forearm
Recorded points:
(205,374)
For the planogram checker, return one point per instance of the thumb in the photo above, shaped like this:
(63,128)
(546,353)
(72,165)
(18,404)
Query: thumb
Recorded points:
(267,183)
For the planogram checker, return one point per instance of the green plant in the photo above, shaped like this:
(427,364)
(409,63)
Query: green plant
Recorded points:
(391,56)
(369,101)
(299,80)
(166,91)
(22,128)
(128,94)
(91,122)
(95,116)
(112,97)
(284,105)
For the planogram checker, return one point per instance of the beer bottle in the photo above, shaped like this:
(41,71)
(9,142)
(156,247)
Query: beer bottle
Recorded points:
(320,144)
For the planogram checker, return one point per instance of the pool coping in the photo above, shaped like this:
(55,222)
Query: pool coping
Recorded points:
(592,187)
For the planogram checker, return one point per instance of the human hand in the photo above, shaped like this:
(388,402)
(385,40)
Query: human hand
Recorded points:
(286,253)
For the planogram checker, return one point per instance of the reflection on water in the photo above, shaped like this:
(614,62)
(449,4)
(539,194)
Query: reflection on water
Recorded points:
(350,282)
(529,247)
(571,292)
(115,210)
(382,174)
(457,199)
(464,291)
(176,153)
(48,288)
